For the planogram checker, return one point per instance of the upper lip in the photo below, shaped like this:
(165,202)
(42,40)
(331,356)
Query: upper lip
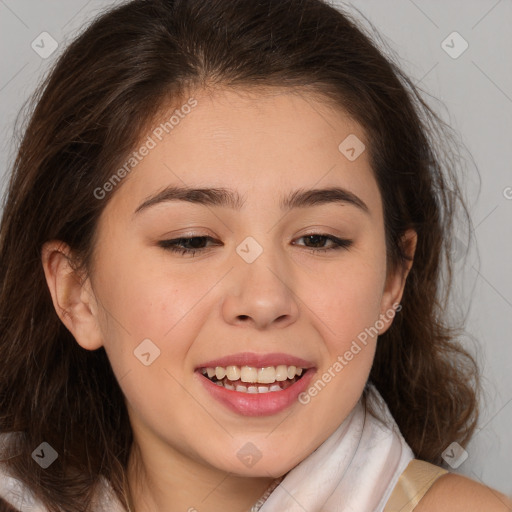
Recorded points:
(257,361)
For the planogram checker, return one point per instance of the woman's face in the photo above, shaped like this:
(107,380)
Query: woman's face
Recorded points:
(255,294)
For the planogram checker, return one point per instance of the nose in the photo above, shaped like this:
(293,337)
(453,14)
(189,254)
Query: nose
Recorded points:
(261,294)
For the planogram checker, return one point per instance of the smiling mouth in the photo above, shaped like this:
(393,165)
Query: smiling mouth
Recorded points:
(248,379)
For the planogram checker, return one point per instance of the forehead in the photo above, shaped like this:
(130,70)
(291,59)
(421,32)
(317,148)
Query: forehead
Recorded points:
(260,142)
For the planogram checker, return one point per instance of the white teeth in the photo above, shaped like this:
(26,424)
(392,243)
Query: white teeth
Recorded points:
(249,389)
(248,374)
(233,373)
(267,375)
(281,373)
(253,375)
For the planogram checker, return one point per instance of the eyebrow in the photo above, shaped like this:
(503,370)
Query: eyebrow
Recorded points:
(300,198)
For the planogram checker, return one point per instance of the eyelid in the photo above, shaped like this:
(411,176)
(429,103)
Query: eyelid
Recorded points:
(171,245)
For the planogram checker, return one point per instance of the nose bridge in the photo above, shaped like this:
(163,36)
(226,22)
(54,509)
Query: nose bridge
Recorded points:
(261,292)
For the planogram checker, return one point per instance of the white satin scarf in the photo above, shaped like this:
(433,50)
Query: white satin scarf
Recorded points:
(354,470)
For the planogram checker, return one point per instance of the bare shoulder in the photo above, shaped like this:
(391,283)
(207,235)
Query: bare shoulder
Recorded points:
(457,493)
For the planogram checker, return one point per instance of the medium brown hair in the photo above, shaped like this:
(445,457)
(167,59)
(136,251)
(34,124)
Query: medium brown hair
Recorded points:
(90,112)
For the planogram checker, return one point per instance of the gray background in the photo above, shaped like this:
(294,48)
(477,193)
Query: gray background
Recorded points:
(475,87)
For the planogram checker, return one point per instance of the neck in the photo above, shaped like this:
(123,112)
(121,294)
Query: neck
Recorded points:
(185,485)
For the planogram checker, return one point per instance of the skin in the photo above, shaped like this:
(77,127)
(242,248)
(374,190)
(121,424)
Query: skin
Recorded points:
(293,300)
(457,493)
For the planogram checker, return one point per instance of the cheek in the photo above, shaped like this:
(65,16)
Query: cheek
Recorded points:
(348,301)
(141,303)
(149,313)
(144,300)
(348,306)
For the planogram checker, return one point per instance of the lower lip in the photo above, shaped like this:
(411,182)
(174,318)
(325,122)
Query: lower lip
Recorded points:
(258,404)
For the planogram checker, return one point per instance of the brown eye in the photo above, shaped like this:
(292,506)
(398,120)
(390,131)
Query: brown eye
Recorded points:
(320,239)
(185,245)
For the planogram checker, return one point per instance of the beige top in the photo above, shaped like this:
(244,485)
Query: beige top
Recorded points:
(412,485)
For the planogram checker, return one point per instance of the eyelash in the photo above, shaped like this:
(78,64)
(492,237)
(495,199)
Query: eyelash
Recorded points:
(171,245)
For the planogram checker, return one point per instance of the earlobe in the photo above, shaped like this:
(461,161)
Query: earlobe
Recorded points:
(72,298)
(395,280)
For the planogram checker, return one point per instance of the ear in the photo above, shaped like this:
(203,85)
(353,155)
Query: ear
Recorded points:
(395,281)
(72,297)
